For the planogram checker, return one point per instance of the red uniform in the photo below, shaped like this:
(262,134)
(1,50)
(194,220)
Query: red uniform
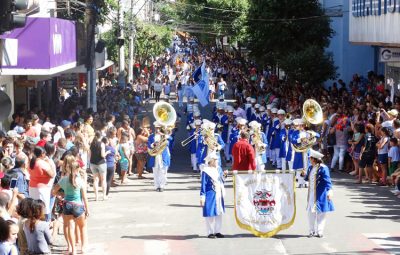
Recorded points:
(243,156)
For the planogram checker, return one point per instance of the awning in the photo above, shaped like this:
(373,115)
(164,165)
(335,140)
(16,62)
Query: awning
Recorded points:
(107,63)
(45,46)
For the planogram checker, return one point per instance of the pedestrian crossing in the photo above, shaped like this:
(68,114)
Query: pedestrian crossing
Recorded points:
(386,243)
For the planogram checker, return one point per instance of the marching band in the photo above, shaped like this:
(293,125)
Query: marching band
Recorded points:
(250,138)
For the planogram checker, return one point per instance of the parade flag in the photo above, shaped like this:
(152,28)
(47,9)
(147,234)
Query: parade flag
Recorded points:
(201,88)
(264,202)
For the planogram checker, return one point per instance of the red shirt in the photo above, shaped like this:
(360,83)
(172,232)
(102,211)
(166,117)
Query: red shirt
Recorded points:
(243,156)
(42,143)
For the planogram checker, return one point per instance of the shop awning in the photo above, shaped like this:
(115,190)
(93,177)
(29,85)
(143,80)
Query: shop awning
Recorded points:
(45,46)
(107,63)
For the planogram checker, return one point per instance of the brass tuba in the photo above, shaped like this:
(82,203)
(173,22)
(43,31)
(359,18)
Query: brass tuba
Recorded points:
(312,114)
(165,114)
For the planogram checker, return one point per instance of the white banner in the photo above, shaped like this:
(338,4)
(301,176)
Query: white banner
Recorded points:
(264,202)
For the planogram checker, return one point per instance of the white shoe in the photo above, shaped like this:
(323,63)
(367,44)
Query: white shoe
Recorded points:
(397,193)
(394,191)
(353,173)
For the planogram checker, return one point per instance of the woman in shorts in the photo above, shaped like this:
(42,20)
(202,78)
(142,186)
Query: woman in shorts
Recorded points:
(75,206)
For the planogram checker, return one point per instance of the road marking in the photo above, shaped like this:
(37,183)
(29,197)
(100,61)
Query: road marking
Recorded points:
(328,247)
(388,243)
(156,247)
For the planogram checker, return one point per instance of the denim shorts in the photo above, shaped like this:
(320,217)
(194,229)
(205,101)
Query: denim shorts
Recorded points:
(75,209)
(383,158)
(98,169)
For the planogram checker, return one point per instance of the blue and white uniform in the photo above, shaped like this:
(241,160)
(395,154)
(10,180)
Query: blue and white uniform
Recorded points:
(212,193)
(318,203)
(160,163)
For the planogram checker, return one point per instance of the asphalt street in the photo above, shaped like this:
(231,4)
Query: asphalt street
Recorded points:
(136,220)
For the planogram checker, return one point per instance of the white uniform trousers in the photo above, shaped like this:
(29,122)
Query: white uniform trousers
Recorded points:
(272,156)
(316,222)
(277,159)
(160,177)
(214,224)
(193,158)
(226,152)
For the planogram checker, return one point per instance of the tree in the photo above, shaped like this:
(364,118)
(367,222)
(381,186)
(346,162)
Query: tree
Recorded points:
(208,19)
(293,35)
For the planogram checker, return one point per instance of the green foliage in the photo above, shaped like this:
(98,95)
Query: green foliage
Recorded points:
(208,19)
(310,65)
(77,11)
(151,40)
(293,35)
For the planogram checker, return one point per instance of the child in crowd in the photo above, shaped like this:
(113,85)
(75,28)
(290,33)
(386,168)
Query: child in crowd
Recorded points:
(8,236)
(393,155)
(37,230)
(23,210)
(383,149)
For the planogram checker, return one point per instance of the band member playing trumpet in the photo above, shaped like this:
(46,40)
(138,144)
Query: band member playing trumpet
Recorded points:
(161,161)
(259,141)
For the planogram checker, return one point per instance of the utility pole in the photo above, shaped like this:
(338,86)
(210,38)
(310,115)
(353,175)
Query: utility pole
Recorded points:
(90,23)
(131,44)
(121,76)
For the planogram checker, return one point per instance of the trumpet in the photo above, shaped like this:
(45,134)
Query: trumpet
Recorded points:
(191,138)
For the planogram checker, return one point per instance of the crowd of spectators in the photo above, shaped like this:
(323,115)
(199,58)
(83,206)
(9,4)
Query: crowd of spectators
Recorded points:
(47,165)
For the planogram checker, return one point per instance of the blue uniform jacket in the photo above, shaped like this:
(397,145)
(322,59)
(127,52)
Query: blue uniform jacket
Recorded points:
(166,156)
(202,149)
(282,149)
(289,149)
(233,138)
(249,112)
(190,119)
(270,130)
(222,120)
(207,190)
(298,156)
(276,141)
(323,185)
(193,143)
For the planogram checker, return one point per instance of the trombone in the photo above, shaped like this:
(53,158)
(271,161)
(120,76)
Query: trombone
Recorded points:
(191,138)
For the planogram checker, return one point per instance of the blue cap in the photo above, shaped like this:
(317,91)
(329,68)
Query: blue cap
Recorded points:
(65,123)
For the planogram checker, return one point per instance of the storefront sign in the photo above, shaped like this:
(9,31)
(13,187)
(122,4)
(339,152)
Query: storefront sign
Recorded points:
(69,81)
(374,22)
(389,55)
(362,8)
(45,46)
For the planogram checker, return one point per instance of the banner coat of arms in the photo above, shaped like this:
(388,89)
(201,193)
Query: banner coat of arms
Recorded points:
(264,202)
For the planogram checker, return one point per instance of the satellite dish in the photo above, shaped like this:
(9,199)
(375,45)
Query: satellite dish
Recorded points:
(5,105)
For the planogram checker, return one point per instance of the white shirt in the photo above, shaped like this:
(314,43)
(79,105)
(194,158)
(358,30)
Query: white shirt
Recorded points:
(394,154)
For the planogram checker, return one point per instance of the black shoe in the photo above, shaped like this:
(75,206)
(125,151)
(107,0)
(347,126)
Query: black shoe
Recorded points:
(158,189)
(211,236)
(219,235)
(161,190)
(311,235)
(319,235)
